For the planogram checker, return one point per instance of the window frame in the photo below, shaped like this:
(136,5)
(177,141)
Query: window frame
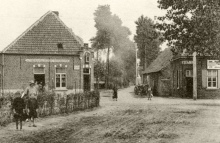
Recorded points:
(87,57)
(60,79)
(190,73)
(212,77)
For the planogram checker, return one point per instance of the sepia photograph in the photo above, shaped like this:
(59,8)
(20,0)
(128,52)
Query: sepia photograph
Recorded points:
(110,71)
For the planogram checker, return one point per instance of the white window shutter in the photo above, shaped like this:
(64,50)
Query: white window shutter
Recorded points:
(204,78)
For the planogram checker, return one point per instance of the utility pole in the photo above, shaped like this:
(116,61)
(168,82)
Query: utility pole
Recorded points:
(194,77)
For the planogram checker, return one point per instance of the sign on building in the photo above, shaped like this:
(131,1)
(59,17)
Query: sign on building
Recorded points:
(76,67)
(47,60)
(187,62)
(213,64)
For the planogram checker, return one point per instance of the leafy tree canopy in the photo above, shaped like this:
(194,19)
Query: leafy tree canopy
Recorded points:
(147,39)
(112,34)
(192,25)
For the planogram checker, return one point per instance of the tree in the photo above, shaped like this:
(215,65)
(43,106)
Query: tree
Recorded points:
(99,71)
(147,39)
(191,25)
(103,37)
(111,35)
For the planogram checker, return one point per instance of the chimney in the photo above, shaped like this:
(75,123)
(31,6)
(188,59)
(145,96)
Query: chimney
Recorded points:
(86,45)
(56,12)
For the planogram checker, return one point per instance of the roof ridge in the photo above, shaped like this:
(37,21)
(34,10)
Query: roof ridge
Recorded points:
(68,29)
(27,30)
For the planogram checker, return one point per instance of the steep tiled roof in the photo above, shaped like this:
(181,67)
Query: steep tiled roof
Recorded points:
(44,35)
(162,61)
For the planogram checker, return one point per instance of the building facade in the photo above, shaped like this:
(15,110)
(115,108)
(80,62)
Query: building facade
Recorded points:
(158,74)
(208,77)
(49,53)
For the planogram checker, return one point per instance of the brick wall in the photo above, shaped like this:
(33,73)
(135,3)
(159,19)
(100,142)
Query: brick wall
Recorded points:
(202,91)
(18,72)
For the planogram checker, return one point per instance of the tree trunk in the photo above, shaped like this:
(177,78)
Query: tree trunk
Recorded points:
(97,77)
(107,69)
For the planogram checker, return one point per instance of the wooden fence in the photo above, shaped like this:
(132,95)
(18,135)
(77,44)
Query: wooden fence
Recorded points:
(52,104)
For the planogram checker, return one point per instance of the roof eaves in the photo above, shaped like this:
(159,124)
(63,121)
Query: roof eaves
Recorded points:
(148,72)
(37,22)
(152,71)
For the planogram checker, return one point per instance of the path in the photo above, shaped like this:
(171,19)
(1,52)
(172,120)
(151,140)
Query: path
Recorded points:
(131,120)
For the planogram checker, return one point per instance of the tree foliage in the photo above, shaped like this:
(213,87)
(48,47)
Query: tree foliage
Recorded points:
(109,29)
(111,34)
(147,39)
(192,25)
(99,69)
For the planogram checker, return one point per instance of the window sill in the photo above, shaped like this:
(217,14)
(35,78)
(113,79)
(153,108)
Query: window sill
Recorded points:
(61,89)
(214,88)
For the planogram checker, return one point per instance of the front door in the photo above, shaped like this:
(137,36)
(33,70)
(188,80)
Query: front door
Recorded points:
(86,82)
(189,87)
(39,78)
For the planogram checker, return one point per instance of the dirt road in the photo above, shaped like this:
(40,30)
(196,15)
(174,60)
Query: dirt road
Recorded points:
(128,120)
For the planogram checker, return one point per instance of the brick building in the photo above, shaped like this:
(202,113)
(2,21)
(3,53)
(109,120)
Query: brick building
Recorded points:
(173,75)
(47,52)
(208,77)
(158,74)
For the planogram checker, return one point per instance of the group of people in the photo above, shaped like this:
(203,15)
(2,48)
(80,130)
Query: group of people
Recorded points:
(144,90)
(25,105)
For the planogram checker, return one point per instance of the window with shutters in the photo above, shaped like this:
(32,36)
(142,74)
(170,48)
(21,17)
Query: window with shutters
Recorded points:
(60,78)
(212,78)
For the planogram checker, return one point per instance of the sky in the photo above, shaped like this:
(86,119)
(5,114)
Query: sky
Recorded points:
(18,15)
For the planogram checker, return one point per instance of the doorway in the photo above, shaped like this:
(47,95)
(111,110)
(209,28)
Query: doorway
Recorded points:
(86,79)
(39,78)
(189,87)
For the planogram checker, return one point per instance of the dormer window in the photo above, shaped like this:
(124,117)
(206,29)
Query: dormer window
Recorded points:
(87,55)
(60,46)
